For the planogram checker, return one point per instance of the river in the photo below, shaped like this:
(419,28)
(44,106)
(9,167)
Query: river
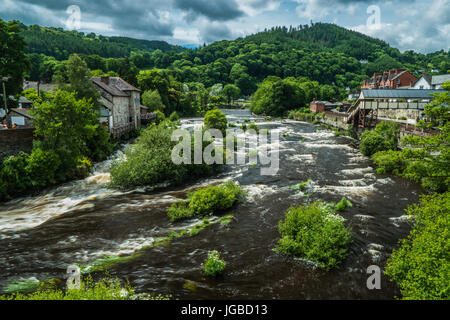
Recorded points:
(82,221)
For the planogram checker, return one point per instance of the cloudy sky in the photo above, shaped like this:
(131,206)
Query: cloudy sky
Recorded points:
(421,25)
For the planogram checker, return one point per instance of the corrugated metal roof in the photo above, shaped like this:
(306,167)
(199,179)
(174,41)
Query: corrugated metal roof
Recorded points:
(440,79)
(399,93)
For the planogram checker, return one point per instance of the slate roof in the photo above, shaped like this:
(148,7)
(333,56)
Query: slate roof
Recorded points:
(22,112)
(115,86)
(435,80)
(399,93)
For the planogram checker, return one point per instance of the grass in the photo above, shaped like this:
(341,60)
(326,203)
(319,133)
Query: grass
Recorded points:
(302,185)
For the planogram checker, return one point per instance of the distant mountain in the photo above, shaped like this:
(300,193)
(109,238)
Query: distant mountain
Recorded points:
(59,43)
(191,46)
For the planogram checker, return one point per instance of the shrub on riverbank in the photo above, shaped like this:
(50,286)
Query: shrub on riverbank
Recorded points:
(206,201)
(421,266)
(383,137)
(214,266)
(149,161)
(314,232)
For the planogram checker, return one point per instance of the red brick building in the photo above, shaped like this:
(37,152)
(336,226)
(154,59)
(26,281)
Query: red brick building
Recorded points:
(392,79)
(317,106)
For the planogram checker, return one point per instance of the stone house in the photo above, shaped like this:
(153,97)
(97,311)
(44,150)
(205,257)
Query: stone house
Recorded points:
(121,105)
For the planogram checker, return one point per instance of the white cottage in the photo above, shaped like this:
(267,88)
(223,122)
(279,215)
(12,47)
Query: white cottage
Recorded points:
(431,82)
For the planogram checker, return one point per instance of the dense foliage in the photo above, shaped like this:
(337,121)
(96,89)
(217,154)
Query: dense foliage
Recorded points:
(59,44)
(421,266)
(210,200)
(215,119)
(213,265)
(314,232)
(149,161)
(70,138)
(384,137)
(13,62)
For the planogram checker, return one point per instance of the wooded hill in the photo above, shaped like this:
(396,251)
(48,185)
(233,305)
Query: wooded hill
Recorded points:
(58,43)
(320,52)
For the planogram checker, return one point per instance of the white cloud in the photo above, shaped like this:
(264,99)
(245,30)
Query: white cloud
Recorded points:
(187,35)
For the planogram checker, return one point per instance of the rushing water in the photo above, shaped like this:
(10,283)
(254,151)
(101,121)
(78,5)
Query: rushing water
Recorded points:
(82,221)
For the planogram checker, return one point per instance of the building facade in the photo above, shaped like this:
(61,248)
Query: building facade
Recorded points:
(121,106)
(431,82)
(392,79)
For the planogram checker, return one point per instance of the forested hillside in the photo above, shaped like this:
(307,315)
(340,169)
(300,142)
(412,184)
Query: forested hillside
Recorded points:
(321,52)
(60,44)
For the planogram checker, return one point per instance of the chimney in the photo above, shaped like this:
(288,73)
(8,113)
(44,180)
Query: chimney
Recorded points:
(105,80)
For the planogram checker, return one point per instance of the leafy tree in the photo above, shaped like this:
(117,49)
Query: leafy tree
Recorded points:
(65,124)
(152,100)
(275,97)
(155,80)
(231,91)
(79,77)
(13,62)
(421,266)
(384,137)
(215,119)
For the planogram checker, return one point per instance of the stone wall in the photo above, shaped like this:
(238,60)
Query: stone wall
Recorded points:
(337,120)
(400,113)
(15,140)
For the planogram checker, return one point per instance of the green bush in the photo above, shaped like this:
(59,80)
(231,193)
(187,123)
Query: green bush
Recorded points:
(160,117)
(42,167)
(216,119)
(106,289)
(214,199)
(206,201)
(84,167)
(149,161)
(314,232)
(179,210)
(389,161)
(174,116)
(421,266)
(343,204)
(14,179)
(214,266)
(384,137)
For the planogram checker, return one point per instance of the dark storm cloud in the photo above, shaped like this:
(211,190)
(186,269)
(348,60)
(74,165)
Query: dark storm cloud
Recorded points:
(141,16)
(217,10)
